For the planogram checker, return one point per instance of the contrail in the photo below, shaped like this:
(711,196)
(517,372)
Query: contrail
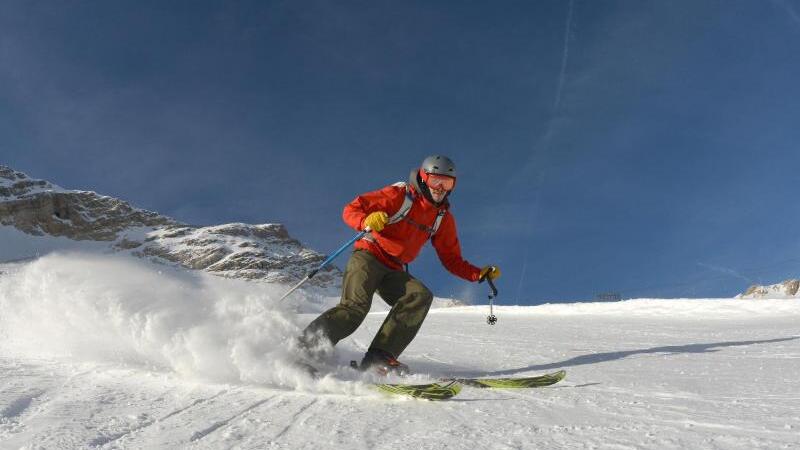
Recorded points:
(790,10)
(547,138)
(564,56)
(726,271)
(527,247)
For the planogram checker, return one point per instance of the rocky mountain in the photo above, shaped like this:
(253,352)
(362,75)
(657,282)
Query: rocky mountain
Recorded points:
(787,289)
(258,252)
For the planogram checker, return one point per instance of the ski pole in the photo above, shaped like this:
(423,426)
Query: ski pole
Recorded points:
(326,262)
(491,319)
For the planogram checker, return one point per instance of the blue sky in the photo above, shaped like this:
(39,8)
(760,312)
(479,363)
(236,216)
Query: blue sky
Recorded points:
(648,148)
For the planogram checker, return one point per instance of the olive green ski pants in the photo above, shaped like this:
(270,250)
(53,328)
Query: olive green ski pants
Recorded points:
(408,297)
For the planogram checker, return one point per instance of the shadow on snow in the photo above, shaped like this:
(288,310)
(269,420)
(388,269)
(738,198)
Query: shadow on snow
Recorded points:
(595,358)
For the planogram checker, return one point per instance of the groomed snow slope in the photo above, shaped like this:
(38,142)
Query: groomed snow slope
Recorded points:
(108,353)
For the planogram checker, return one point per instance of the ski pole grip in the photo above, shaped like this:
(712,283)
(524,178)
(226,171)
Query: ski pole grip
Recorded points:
(486,275)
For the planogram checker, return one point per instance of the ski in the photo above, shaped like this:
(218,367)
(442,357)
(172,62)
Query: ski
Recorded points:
(449,387)
(431,391)
(511,383)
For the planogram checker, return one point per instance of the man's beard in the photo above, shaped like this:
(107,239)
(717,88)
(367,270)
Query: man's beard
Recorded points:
(438,196)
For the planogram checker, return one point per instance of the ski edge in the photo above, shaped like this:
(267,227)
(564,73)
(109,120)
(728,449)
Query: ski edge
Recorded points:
(512,383)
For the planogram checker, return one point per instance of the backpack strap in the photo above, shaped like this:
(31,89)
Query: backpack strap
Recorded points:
(401,213)
(408,200)
(438,221)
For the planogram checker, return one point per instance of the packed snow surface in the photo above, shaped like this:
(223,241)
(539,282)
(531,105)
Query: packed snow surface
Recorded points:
(105,352)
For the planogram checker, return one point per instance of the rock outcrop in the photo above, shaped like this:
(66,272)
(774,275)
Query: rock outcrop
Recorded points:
(40,208)
(257,252)
(787,289)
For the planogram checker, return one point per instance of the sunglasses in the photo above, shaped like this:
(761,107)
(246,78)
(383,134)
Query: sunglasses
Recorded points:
(440,182)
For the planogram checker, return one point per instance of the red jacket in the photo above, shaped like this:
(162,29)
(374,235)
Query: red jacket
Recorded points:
(401,242)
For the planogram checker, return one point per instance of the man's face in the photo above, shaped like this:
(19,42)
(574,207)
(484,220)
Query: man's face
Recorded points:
(438,194)
(440,185)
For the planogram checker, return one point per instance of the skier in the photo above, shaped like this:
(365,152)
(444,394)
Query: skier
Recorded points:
(401,217)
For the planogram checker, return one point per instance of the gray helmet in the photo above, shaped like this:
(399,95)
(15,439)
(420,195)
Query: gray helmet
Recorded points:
(440,165)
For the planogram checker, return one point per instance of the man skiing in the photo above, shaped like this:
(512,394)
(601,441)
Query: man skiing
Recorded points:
(401,218)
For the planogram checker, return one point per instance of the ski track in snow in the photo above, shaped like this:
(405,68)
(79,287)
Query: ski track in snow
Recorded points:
(19,405)
(105,440)
(203,433)
(295,419)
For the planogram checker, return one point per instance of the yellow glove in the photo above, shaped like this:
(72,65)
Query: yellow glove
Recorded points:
(490,272)
(376,221)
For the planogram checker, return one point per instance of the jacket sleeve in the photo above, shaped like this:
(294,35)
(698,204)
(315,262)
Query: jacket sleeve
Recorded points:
(445,241)
(388,200)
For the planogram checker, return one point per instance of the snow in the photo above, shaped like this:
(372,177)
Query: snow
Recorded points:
(107,351)
(28,186)
(17,245)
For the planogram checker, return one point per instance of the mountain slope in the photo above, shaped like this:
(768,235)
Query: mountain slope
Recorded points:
(636,379)
(47,213)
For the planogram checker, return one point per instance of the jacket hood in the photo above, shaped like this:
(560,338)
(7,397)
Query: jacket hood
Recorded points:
(416,183)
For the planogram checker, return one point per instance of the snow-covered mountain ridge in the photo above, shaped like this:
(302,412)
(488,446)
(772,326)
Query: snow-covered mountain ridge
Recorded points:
(40,209)
(786,289)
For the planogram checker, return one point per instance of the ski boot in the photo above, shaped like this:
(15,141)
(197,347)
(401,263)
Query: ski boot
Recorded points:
(382,363)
